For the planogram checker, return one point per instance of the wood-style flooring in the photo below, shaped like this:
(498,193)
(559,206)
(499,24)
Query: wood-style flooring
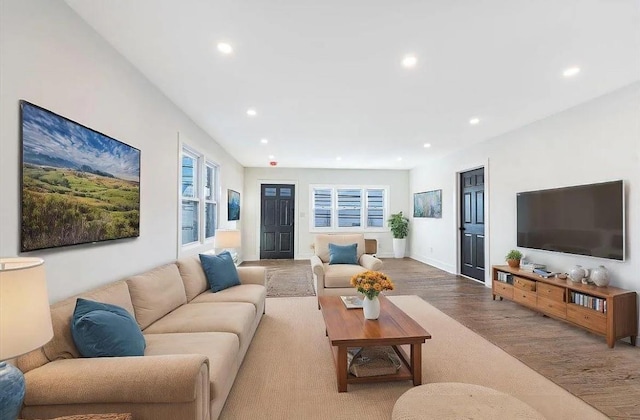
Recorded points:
(579,361)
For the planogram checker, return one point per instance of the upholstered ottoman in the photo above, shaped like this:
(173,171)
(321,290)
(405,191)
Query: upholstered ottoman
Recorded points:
(450,400)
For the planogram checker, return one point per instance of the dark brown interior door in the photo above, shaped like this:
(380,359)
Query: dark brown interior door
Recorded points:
(472,224)
(276,221)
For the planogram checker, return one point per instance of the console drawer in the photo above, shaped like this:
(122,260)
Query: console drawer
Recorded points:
(552,307)
(524,284)
(525,297)
(551,292)
(588,318)
(503,289)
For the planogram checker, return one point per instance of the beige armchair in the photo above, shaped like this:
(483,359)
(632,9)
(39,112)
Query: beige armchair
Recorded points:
(335,279)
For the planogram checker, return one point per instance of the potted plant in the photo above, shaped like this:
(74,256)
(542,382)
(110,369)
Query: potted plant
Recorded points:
(513,258)
(399,226)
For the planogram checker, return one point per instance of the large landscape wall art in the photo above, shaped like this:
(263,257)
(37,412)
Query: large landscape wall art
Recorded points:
(78,185)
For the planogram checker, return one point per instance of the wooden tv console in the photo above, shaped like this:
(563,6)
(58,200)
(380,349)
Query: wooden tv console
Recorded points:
(606,311)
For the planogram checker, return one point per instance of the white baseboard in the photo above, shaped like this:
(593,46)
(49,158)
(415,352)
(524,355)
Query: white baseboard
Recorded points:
(436,263)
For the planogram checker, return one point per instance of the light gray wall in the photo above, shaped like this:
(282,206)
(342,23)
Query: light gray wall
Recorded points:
(398,182)
(593,142)
(50,57)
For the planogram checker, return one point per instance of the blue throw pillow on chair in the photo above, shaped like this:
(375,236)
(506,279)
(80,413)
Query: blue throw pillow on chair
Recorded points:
(343,254)
(220,271)
(105,330)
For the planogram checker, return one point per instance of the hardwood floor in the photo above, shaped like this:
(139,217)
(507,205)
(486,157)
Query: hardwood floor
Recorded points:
(580,362)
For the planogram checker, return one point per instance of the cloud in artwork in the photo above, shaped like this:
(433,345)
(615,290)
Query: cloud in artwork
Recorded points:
(63,143)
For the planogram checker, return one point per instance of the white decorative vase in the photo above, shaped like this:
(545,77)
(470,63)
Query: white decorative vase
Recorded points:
(600,276)
(371,307)
(577,274)
(399,246)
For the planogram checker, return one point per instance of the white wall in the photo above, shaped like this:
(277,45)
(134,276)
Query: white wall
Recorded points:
(397,180)
(593,142)
(50,57)
(434,240)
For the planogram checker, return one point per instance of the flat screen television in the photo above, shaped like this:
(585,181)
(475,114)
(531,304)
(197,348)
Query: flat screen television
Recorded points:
(78,185)
(583,220)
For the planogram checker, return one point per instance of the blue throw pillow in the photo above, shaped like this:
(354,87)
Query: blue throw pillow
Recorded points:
(104,330)
(220,271)
(343,254)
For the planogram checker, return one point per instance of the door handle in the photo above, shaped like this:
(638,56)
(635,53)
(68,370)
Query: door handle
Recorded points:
(462,229)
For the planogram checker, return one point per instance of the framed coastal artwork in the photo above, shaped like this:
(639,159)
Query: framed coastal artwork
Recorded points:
(428,204)
(233,205)
(78,185)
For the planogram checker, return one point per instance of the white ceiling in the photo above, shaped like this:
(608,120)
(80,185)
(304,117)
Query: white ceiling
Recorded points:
(326,80)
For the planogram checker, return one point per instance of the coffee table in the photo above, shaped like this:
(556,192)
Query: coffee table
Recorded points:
(348,328)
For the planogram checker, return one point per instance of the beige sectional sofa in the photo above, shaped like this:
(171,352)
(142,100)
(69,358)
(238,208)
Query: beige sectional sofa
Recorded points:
(196,341)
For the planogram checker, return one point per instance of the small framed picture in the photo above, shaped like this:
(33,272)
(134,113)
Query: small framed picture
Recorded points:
(428,204)
(233,205)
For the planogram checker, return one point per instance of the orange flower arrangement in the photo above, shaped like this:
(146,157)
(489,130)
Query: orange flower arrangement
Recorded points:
(371,283)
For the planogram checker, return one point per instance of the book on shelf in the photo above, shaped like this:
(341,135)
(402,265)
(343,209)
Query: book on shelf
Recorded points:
(588,301)
(351,302)
(505,277)
(531,266)
(543,273)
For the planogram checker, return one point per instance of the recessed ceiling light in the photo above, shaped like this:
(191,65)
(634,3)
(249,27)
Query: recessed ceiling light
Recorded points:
(338,158)
(409,61)
(264,141)
(225,48)
(427,145)
(251,112)
(571,71)
(474,120)
(399,159)
(271,157)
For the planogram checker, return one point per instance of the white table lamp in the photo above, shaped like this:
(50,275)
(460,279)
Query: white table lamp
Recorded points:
(229,240)
(25,324)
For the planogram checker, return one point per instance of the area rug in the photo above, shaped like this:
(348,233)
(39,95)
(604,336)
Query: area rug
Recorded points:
(289,282)
(286,278)
(288,372)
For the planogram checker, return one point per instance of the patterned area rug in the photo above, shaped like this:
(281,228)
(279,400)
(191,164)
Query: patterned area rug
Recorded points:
(293,278)
(287,278)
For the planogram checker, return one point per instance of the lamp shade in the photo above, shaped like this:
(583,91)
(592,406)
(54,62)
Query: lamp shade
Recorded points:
(227,239)
(25,316)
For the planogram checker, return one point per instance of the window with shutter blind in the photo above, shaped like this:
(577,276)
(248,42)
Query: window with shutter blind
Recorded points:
(338,208)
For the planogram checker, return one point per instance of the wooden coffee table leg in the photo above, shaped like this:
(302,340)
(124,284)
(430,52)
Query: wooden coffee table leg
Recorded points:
(416,363)
(341,369)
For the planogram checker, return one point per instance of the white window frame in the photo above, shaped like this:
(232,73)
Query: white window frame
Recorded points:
(334,208)
(188,152)
(385,195)
(199,185)
(214,198)
(339,207)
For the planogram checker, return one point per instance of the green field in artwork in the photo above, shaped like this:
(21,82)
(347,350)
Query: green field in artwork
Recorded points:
(65,206)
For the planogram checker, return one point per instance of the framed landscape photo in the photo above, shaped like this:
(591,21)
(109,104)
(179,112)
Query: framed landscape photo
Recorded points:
(233,205)
(428,204)
(78,185)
